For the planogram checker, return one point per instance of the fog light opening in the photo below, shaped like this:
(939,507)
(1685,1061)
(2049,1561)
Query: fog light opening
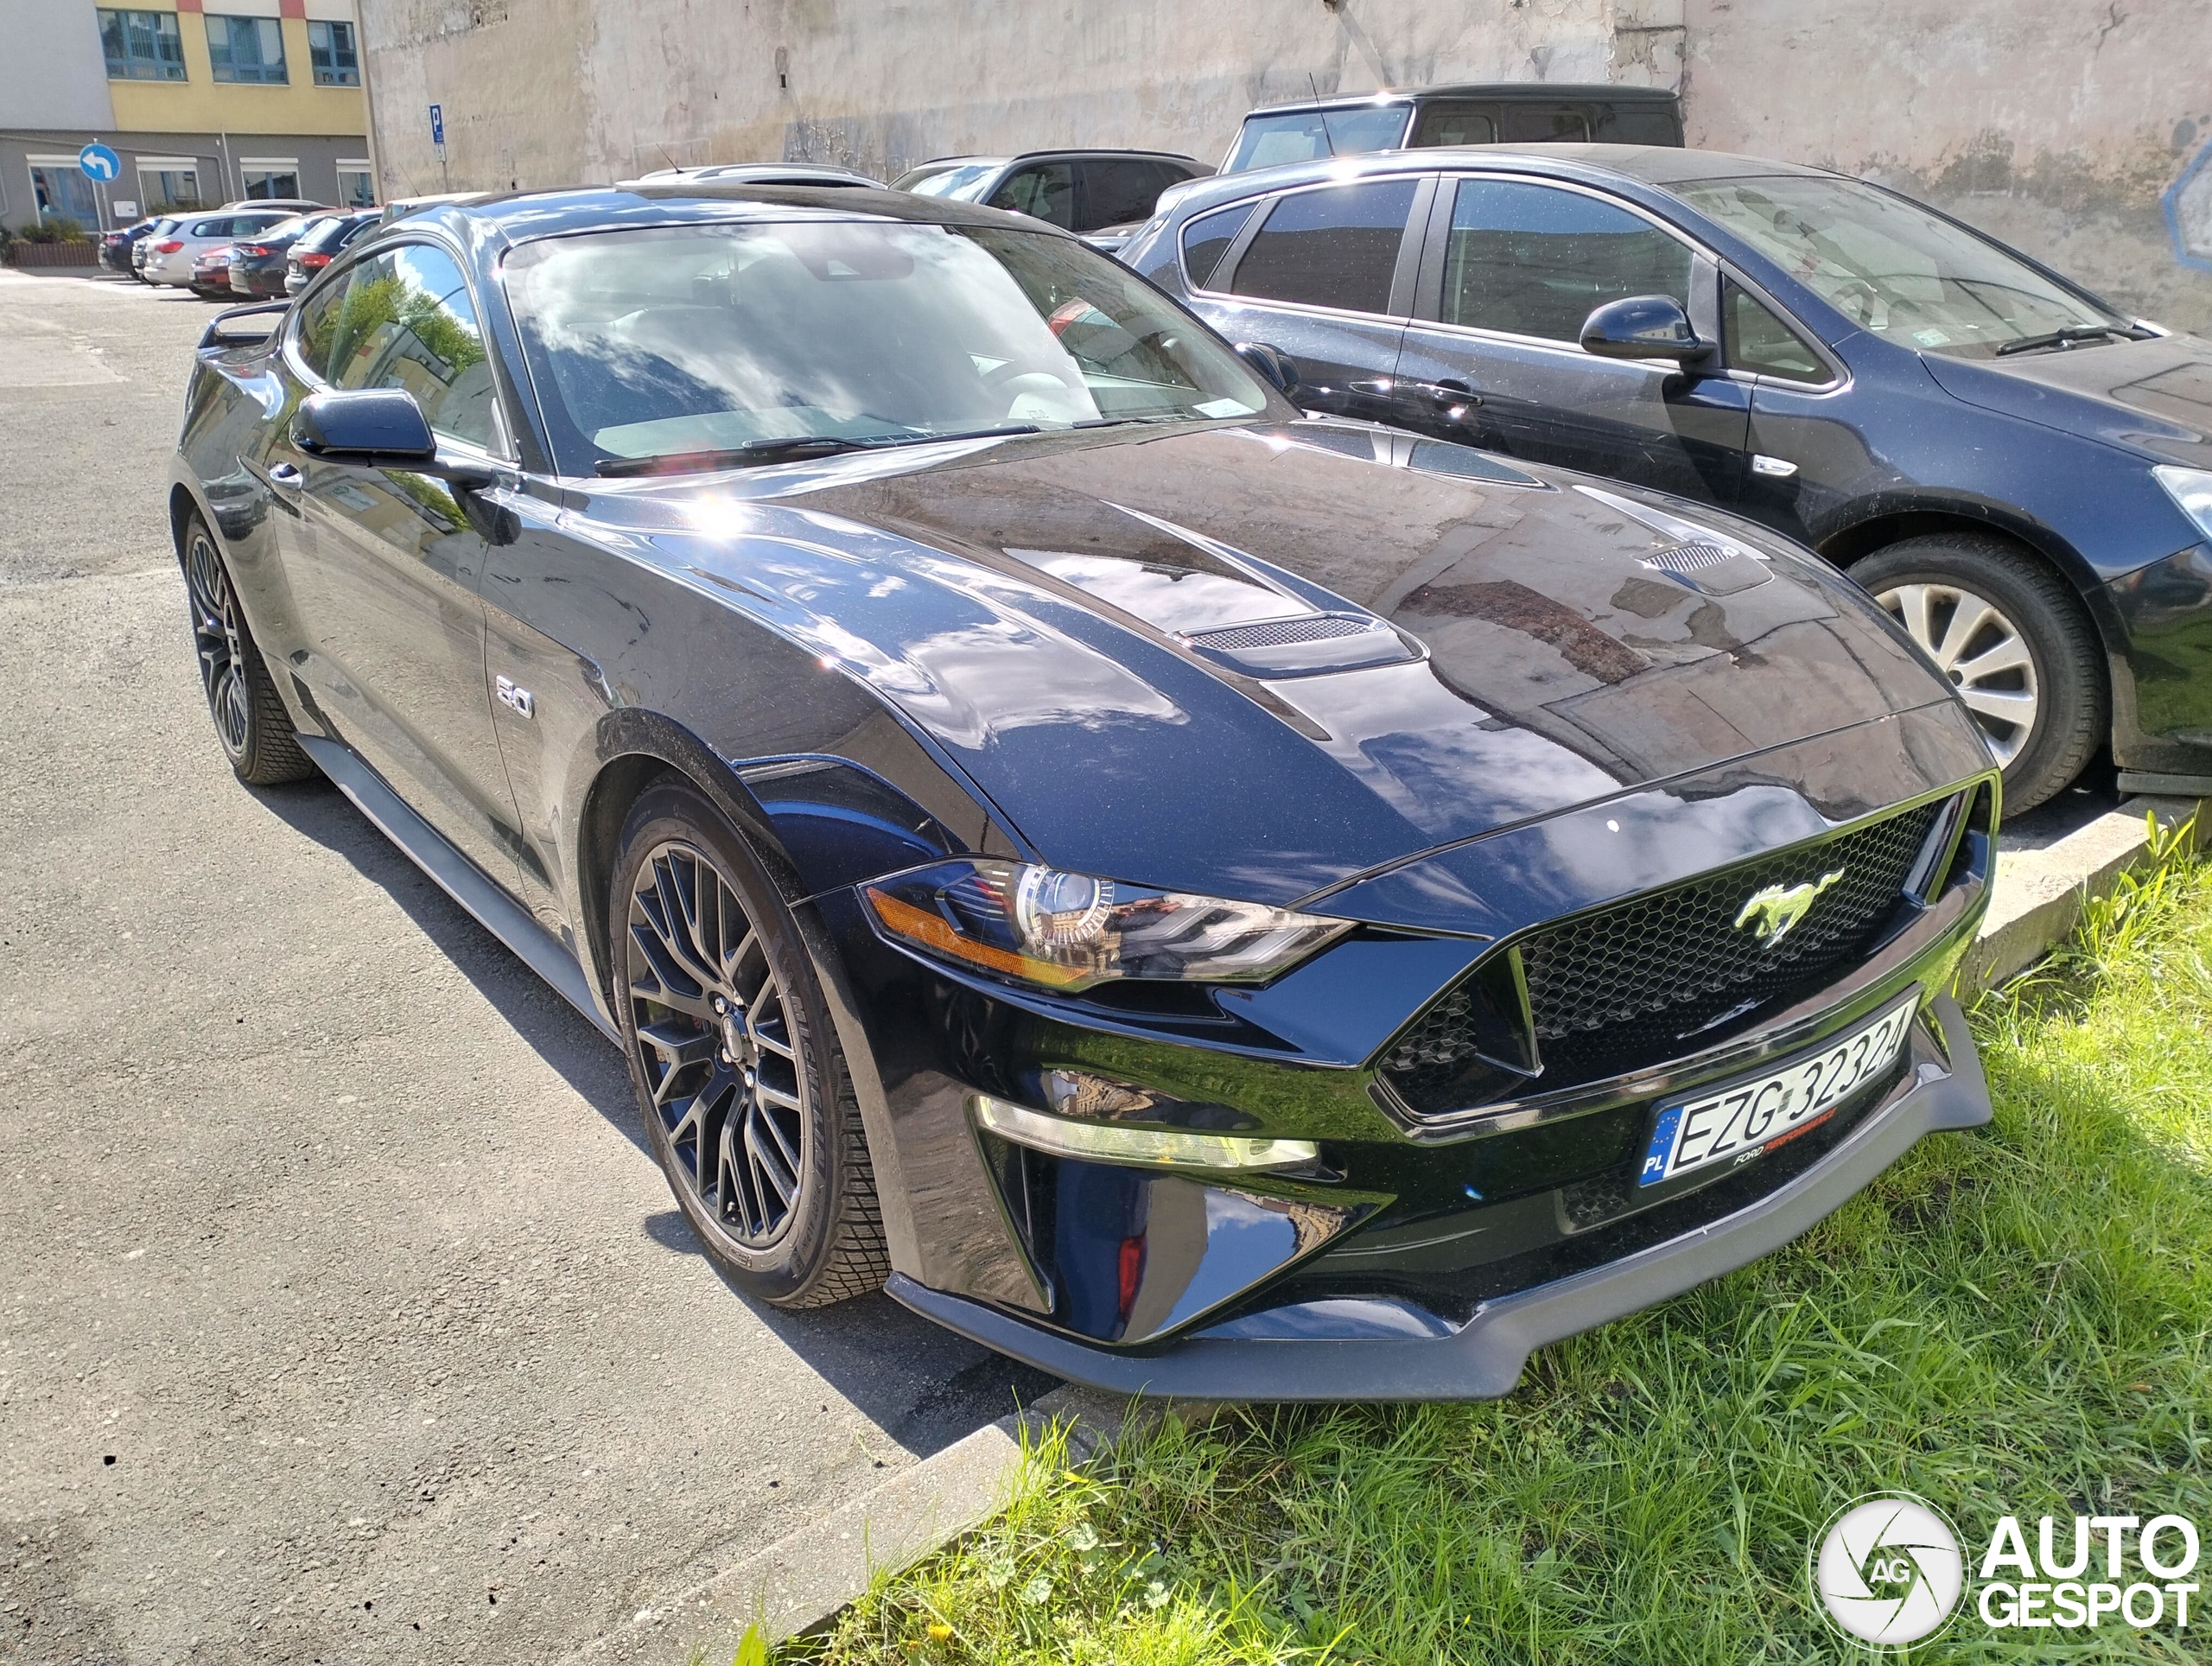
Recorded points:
(1062,1136)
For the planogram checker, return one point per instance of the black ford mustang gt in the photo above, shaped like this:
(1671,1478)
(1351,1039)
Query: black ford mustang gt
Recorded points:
(1195,897)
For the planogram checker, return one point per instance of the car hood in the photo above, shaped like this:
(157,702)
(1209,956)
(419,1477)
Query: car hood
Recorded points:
(2153,396)
(1263,659)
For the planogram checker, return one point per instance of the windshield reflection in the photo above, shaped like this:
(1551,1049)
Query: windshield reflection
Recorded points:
(716,346)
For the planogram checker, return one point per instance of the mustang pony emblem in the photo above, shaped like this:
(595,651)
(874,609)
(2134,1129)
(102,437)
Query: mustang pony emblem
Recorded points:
(1775,911)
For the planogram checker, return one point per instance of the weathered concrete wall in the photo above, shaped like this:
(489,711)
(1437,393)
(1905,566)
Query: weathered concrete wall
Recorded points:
(2055,124)
(548,91)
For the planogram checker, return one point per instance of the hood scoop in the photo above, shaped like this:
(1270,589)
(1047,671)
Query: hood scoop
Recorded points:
(1304,645)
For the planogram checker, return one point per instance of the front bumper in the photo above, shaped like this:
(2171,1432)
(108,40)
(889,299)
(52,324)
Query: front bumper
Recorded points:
(1942,1087)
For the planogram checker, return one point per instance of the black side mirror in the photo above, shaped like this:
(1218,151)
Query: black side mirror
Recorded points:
(1642,327)
(376,427)
(1277,367)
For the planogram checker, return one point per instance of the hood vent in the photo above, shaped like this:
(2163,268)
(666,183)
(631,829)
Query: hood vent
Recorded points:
(1305,644)
(1279,633)
(1690,557)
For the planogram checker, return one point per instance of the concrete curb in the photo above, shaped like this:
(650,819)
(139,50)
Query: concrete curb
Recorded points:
(2041,893)
(804,1581)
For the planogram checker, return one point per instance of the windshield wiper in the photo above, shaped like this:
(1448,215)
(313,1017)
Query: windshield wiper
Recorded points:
(2067,337)
(791,448)
(786,449)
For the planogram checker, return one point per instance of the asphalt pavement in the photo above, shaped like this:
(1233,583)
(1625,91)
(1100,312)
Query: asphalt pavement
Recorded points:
(343,1315)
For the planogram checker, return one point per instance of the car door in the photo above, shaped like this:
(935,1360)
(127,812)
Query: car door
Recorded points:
(1044,190)
(1325,273)
(391,561)
(1118,190)
(1808,455)
(1510,268)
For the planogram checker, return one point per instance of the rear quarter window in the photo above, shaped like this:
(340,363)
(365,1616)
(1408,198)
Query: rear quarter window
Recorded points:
(1206,239)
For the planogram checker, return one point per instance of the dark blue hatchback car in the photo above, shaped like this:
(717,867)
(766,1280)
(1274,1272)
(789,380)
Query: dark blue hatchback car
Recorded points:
(2020,474)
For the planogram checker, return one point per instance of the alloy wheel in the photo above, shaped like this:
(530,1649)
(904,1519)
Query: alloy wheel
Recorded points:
(1980,650)
(215,635)
(715,1036)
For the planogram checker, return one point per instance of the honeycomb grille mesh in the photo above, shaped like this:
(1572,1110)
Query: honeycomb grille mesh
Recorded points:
(1277,633)
(1621,988)
(1690,557)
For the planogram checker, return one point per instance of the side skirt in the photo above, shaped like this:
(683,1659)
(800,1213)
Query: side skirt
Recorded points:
(458,877)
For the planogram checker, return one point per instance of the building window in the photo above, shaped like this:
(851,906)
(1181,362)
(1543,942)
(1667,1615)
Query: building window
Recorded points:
(170,190)
(141,46)
(357,186)
(64,193)
(246,49)
(266,178)
(330,50)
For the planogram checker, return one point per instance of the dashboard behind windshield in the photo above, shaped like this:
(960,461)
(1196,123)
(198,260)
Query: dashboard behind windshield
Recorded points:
(683,340)
(1893,267)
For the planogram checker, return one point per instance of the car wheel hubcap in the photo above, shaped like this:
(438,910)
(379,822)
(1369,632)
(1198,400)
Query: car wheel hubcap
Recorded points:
(215,634)
(1980,650)
(721,1058)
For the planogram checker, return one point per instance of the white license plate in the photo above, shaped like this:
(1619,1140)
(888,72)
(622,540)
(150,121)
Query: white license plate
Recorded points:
(1732,1123)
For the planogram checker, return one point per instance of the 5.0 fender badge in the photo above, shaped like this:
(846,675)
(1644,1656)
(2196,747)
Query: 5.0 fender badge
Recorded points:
(1775,911)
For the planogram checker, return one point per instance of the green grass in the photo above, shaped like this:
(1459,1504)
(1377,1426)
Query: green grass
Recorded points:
(2013,1321)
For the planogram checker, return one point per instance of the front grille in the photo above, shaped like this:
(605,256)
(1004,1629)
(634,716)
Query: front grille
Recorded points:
(1655,976)
(1278,633)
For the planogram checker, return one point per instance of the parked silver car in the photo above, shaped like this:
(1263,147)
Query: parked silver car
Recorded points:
(170,254)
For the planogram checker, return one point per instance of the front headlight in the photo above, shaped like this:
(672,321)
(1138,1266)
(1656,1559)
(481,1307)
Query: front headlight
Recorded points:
(2191,490)
(1070,931)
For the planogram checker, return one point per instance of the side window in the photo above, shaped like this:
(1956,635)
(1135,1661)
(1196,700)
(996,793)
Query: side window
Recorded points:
(315,325)
(1448,122)
(1047,191)
(1755,339)
(407,322)
(1206,239)
(1117,192)
(1330,248)
(1539,124)
(1637,124)
(1536,261)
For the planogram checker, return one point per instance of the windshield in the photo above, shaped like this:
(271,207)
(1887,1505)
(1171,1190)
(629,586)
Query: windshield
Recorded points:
(960,183)
(683,342)
(291,228)
(1892,267)
(1303,135)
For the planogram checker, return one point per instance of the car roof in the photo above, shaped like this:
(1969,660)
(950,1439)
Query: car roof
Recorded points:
(529,216)
(1648,164)
(767,173)
(1073,150)
(1512,92)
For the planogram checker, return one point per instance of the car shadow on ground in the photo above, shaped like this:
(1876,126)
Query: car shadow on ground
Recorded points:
(962,1385)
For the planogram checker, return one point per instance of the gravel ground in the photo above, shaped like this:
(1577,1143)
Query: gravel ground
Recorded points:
(343,1316)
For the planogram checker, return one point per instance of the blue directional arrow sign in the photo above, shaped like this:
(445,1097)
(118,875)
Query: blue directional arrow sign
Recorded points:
(100,163)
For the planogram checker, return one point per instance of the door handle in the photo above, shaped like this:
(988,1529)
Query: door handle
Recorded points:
(285,476)
(1450,390)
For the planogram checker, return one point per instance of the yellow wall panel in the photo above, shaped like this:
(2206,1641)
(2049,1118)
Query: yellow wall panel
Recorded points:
(200,103)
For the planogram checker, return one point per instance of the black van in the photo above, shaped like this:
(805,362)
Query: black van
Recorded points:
(1512,112)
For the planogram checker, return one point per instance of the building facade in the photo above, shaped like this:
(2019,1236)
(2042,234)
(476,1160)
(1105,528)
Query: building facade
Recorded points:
(204,102)
(2079,130)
